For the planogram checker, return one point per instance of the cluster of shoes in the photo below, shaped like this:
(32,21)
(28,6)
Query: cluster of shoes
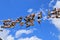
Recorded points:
(29,21)
(54,13)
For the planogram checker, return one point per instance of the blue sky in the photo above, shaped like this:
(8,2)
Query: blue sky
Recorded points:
(15,8)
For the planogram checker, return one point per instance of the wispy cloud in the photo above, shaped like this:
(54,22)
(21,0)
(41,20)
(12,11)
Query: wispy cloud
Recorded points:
(20,32)
(31,38)
(51,3)
(10,37)
(57,5)
(56,22)
(30,10)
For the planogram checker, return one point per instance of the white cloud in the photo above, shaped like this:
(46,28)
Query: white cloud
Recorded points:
(10,37)
(4,34)
(56,22)
(31,38)
(20,32)
(51,3)
(30,10)
(57,4)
